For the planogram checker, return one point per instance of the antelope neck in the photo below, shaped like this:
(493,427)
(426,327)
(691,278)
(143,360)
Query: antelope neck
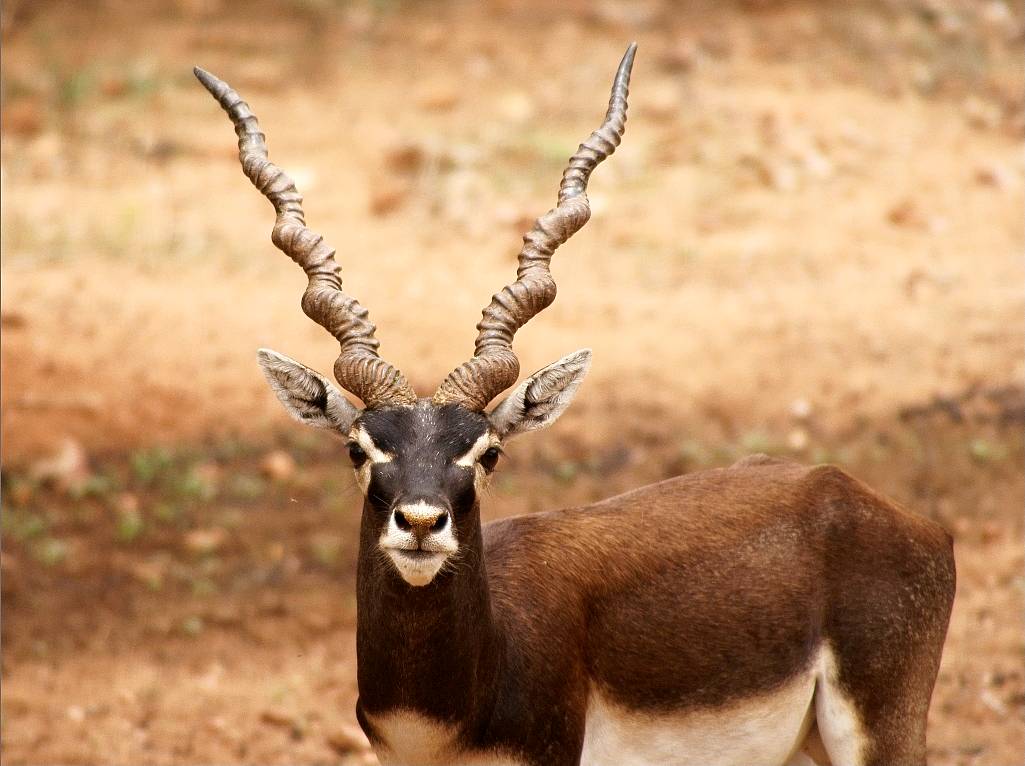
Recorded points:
(435,649)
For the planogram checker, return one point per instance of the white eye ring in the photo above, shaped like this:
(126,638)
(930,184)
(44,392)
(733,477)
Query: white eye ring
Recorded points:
(489,458)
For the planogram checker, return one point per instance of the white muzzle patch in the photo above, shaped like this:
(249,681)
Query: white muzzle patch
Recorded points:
(418,559)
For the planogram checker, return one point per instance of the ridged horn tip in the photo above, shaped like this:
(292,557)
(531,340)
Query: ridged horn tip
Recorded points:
(628,58)
(209,81)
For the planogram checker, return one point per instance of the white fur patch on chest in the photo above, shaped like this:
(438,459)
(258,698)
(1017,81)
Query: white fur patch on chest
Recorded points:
(411,739)
(767,729)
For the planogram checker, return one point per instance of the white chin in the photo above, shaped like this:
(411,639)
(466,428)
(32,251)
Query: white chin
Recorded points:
(417,571)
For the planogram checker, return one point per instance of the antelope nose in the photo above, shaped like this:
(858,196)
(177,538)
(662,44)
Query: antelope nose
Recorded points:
(421,518)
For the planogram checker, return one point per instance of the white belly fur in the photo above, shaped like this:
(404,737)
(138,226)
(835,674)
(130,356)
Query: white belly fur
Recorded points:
(764,730)
(767,729)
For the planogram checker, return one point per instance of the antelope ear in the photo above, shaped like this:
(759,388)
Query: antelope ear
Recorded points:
(308,396)
(539,400)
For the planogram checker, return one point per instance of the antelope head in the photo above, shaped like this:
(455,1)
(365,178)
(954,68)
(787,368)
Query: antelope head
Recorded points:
(421,462)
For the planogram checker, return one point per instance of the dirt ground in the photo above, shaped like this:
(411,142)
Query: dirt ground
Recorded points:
(809,244)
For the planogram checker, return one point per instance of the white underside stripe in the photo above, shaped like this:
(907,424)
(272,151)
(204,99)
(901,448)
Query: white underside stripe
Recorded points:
(767,730)
(763,731)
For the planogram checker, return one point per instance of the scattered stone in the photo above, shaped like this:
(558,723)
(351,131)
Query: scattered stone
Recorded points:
(388,195)
(296,725)
(962,525)
(211,679)
(433,35)
(9,563)
(405,158)
(209,474)
(20,493)
(516,217)
(635,14)
(516,106)
(817,164)
(12,320)
(437,95)
(67,468)
(306,178)
(202,542)
(852,135)
(90,402)
(981,114)
(272,605)
(994,176)
(150,573)
(226,614)
(905,213)
(937,224)
(326,547)
(991,531)
(360,20)
(278,465)
(126,502)
(114,85)
(192,626)
(130,525)
(50,551)
(801,409)
(203,8)
(997,15)
(717,45)
(278,718)
(950,25)
(480,65)
(347,740)
(797,439)
(993,702)
(141,737)
(317,622)
(76,713)
(680,57)
(662,100)
(924,78)
(23,118)
(779,176)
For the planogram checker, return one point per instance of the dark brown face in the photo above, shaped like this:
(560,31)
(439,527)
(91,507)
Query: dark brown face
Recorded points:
(420,469)
(421,466)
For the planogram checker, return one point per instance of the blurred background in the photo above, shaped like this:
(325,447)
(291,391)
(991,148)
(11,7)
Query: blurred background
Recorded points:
(809,244)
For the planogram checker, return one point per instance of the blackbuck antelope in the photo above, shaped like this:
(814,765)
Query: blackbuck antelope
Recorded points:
(766,613)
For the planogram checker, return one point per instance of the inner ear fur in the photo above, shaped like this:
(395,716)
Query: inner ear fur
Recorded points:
(308,396)
(539,400)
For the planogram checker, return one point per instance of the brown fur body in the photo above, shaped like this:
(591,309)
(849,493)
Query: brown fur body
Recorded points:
(691,593)
(687,595)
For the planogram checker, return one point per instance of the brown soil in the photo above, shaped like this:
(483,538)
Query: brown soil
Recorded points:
(809,243)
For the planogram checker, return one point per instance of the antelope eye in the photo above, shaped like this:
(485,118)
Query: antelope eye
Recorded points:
(356,454)
(490,458)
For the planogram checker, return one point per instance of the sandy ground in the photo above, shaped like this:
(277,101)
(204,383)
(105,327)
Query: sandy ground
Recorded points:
(809,243)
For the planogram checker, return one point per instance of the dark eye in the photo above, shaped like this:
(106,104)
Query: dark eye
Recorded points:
(490,458)
(356,454)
